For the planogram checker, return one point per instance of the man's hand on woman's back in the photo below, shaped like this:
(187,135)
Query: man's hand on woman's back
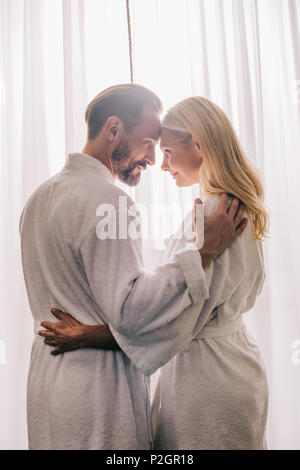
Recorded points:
(222,228)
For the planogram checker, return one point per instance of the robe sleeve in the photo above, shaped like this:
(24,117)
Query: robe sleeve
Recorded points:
(132,300)
(234,280)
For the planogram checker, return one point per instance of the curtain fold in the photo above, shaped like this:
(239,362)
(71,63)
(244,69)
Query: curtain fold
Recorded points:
(56,55)
(34,153)
(74,72)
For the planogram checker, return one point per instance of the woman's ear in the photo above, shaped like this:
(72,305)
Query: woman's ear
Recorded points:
(199,150)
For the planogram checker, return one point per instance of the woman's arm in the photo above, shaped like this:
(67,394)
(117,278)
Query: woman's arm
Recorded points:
(68,334)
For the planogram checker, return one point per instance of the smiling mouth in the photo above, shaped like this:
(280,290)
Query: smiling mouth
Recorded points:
(175,174)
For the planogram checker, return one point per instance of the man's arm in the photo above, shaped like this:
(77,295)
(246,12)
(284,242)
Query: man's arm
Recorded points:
(220,230)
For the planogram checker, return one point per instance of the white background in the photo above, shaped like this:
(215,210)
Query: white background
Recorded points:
(55,55)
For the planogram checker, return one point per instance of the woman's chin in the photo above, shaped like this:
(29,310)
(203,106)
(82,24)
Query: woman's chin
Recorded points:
(180,181)
(181,184)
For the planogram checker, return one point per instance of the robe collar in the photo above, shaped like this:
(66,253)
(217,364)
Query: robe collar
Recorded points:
(82,161)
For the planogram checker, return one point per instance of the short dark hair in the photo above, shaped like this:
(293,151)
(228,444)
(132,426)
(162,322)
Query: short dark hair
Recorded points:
(125,101)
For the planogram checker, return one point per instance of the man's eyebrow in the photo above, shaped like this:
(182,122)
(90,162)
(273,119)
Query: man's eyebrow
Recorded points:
(157,136)
(153,139)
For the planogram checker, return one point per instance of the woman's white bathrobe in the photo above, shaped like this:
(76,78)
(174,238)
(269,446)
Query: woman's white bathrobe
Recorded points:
(214,394)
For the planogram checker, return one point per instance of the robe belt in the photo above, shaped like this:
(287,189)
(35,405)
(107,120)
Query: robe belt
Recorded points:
(222,330)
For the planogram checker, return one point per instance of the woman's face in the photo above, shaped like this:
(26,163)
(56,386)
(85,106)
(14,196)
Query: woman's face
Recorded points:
(182,160)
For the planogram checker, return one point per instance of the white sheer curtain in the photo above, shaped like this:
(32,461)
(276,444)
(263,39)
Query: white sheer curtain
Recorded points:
(55,55)
(245,56)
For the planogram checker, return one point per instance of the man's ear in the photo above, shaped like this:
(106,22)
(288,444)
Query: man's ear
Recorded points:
(113,128)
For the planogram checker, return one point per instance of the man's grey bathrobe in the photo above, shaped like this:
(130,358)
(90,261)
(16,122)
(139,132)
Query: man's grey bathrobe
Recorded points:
(92,399)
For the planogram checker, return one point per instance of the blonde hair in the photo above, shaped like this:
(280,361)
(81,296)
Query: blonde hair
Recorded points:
(225,167)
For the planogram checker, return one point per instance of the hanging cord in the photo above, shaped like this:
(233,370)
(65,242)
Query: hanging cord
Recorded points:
(129,40)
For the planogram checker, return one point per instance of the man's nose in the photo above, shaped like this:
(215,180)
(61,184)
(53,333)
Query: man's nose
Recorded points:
(165,164)
(150,157)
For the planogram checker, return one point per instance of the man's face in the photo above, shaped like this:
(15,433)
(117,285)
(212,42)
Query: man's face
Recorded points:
(136,149)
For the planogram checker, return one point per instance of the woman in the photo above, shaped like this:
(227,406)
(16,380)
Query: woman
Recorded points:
(214,394)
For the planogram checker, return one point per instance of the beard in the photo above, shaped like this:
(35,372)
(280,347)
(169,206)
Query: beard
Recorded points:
(122,167)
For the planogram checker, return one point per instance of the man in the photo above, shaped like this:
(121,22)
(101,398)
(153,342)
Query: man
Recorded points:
(93,399)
